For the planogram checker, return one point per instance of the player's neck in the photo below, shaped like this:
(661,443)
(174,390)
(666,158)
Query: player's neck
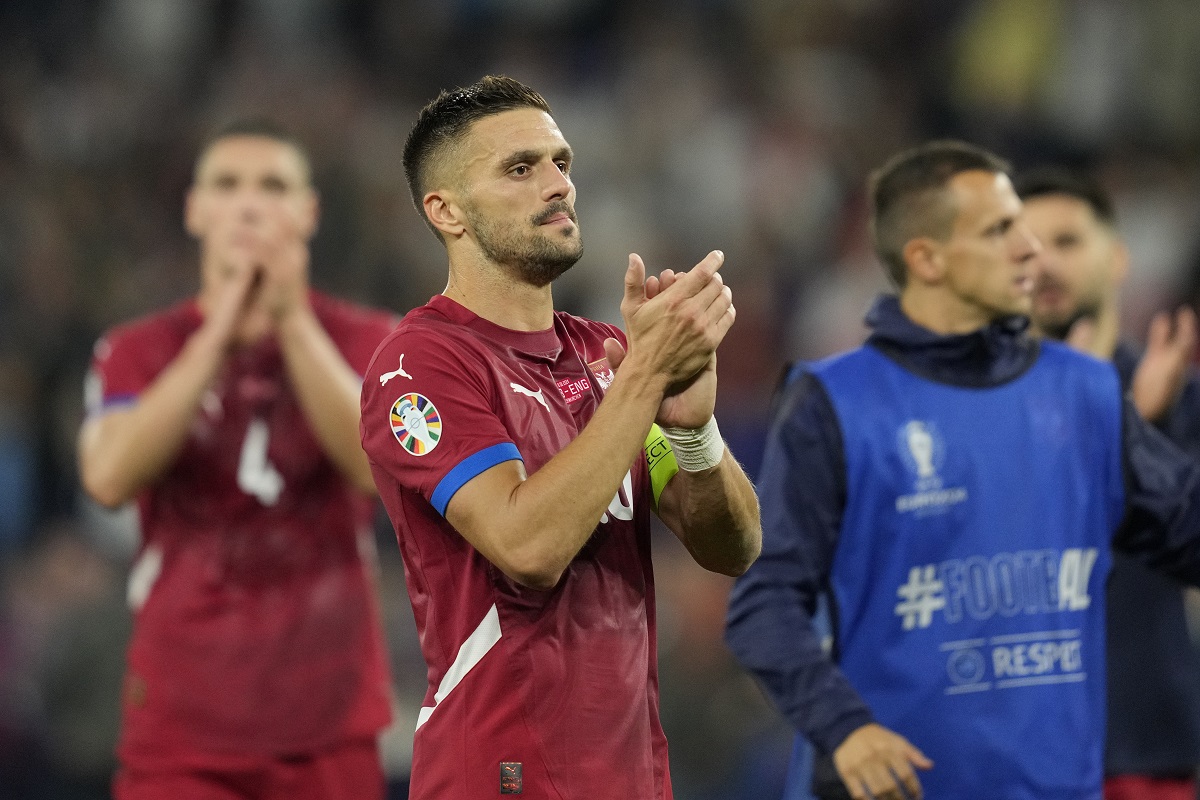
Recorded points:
(500,299)
(1095,333)
(940,311)
(1108,331)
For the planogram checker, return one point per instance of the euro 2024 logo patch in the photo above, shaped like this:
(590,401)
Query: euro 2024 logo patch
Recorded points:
(923,452)
(416,423)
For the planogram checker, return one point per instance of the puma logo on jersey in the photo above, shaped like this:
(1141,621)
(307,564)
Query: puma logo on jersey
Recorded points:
(519,389)
(398,373)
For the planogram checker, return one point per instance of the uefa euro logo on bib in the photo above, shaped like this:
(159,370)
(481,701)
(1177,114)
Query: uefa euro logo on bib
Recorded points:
(923,452)
(416,423)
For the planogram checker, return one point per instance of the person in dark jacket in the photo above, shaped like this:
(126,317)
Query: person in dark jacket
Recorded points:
(1153,732)
(952,488)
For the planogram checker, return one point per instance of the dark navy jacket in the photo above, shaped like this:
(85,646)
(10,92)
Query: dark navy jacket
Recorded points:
(1153,670)
(770,616)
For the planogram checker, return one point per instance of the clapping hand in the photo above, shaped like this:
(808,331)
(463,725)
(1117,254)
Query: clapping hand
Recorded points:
(1160,375)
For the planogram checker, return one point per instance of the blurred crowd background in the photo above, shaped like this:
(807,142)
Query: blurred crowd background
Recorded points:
(749,126)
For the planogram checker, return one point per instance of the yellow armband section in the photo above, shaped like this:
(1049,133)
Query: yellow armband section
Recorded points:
(660,459)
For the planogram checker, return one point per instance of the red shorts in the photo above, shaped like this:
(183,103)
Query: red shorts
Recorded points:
(349,771)
(1141,787)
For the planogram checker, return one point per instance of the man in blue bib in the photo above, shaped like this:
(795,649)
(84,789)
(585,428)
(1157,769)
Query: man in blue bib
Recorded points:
(952,489)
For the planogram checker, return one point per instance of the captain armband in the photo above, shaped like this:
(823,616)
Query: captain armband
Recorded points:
(697,449)
(660,460)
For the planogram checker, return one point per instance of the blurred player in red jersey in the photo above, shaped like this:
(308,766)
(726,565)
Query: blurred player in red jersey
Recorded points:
(256,668)
(515,451)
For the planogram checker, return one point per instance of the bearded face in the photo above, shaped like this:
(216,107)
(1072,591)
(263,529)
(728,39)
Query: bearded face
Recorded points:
(534,249)
(1079,271)
(1056,308)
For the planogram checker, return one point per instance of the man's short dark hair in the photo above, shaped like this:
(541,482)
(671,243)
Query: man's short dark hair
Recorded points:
(446,120)
(909,197)
(262,127)
(1044,181)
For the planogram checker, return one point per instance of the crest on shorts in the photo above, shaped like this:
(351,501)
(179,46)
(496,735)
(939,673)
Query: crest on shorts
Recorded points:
(416,423)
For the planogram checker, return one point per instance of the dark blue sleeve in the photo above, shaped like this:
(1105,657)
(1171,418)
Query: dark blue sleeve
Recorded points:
(1182,425)
(1161,528)
(802,490)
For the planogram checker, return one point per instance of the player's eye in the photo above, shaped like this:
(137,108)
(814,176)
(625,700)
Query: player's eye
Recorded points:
(1000,228)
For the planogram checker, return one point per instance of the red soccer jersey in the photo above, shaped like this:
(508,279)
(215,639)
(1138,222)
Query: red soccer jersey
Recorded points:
(550,693)
(256,628)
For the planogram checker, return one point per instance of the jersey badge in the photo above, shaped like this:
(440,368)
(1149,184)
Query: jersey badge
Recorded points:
(519,389)
(416,423)
(510,778)
(603,372)
(396,373)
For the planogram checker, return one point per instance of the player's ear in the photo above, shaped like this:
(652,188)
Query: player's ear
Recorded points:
(310,214)
(444,213)
(1120,266)
(193,214)
(923,260)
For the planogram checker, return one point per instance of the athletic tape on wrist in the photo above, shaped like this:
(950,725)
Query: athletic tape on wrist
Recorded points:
(697,449)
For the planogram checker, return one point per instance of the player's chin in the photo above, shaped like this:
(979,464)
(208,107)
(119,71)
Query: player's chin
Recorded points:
(1021,306)
(563,248)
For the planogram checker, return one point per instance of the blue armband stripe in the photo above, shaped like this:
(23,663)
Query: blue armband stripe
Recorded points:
(468,468)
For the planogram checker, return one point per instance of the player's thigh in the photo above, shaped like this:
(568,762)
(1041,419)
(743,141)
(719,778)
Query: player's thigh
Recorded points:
(349,771)
(134,784)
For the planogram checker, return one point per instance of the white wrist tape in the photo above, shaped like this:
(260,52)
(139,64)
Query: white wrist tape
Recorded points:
(696,449)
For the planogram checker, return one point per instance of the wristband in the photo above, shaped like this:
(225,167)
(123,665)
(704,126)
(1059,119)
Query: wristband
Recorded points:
(696,449)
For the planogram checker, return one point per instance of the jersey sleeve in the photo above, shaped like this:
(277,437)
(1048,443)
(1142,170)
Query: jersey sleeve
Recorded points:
(119,372)
(1161,488)
(429,421)
(771,625)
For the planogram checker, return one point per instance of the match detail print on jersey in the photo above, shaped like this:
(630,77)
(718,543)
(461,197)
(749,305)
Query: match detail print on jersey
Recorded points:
(416,423)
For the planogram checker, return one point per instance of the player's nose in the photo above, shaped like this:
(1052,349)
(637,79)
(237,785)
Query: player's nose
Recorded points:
(1026,245)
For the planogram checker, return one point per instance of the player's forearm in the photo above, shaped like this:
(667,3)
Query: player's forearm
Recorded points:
(123,451)
(328,391)
(716,517)
(549,516)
